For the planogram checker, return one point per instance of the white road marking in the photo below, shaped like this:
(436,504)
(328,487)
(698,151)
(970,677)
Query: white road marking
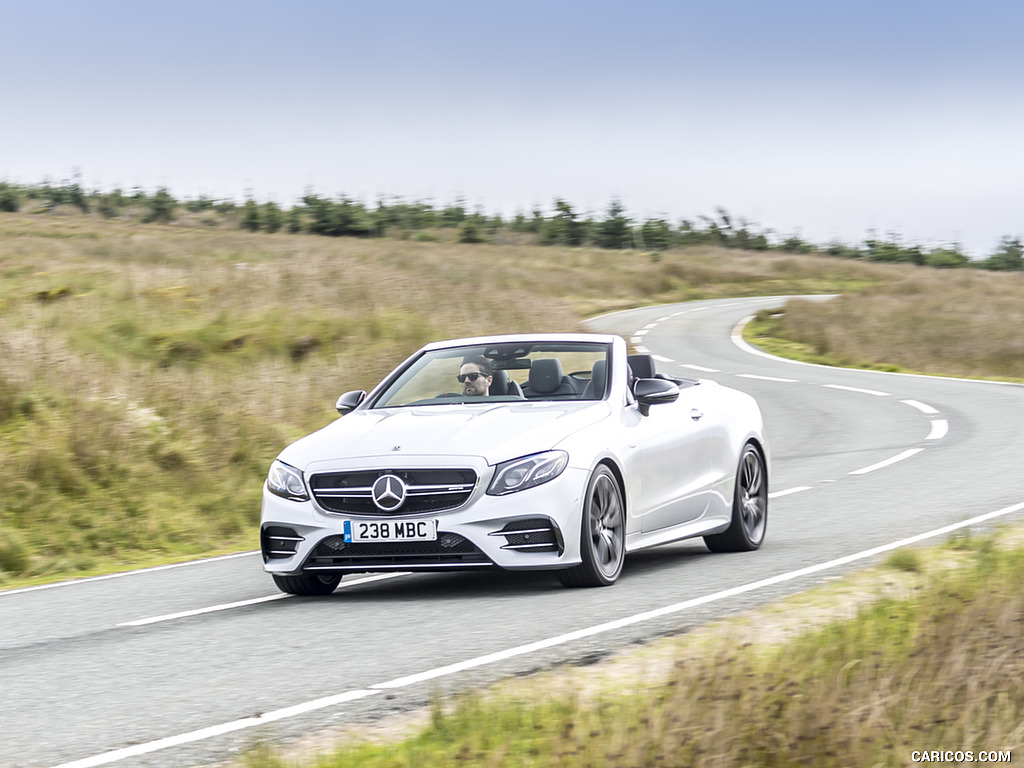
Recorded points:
(661,359)
(641,332)
(216,730)
(662,319)
(651,326)
(243,603)
(641,350)
(940,428)
(700,368)
(888,462)
(635,339)
(329,701)
(764,378)
(121,574)
(874,392)
(788,491)
(200,611)
(922,407)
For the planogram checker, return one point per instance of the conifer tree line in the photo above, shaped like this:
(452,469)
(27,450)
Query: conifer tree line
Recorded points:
(563,225)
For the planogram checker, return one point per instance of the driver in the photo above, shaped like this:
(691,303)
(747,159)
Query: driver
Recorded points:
(476,376)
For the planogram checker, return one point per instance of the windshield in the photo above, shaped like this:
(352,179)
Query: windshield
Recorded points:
(501,372)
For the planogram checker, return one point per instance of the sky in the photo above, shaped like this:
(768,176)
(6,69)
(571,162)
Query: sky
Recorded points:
(833,121)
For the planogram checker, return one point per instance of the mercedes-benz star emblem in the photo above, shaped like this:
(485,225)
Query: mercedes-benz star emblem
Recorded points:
(388,493)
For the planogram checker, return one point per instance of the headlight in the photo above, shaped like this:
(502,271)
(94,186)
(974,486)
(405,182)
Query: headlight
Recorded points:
(286,481)
(520,474)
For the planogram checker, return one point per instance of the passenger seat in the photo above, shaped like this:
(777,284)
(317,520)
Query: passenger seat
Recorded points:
(547,381)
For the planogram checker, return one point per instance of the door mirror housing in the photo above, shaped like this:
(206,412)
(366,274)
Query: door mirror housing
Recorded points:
(350,400)
(650,392)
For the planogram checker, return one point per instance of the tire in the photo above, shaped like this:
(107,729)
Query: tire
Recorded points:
(308,583)
(602,534)
(749,507)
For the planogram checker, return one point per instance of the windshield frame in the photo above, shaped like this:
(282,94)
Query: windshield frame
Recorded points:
(509,354)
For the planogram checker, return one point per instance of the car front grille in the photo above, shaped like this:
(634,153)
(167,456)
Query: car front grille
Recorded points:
(449,550)
(427,490)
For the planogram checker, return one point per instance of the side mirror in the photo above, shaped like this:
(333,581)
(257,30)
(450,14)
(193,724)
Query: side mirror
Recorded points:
(349,401)
(650,392)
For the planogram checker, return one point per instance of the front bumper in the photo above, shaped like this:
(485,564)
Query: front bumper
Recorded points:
(534,529)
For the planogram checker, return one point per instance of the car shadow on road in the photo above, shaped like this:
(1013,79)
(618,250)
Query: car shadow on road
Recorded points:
(497,583)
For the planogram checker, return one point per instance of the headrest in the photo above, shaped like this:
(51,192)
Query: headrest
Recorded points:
(545,375)
(642,366)
(598,375)
(499,382)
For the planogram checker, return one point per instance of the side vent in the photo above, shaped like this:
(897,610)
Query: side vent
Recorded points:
(278,543)
(532,535)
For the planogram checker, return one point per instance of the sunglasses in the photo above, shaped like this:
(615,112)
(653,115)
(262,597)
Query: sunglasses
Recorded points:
(471,376)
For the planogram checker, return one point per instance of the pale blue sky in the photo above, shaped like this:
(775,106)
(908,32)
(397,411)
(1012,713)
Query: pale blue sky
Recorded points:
(819,118)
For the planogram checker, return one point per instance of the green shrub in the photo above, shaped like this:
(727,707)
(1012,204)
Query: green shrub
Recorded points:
(14,555)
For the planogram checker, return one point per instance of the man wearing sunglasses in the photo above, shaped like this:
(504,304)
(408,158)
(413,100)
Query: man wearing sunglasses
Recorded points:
(476,376)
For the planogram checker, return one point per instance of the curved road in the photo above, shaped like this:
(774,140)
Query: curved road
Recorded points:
(187,665)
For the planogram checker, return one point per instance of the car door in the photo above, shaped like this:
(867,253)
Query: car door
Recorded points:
(676,449)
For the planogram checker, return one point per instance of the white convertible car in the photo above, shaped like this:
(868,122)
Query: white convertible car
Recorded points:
(541,451)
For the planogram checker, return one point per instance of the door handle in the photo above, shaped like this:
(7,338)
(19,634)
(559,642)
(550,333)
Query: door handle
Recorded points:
(696,415)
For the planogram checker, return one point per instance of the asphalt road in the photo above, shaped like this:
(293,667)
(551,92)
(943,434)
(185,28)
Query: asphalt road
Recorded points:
(187,665)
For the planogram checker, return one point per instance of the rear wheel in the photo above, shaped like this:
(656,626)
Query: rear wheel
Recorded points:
(602,535)
(749,507)
(308,583)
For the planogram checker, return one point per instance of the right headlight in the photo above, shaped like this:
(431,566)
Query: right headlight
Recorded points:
(527,472)
(287,482)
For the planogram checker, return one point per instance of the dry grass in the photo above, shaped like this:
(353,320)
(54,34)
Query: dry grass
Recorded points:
(970,323)
(149,374)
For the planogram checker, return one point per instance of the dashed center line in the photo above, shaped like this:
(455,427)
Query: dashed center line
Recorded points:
(700,368)
(922,407)
(940,428)
(888,462)
(788,492)
(765,378)
(874,392)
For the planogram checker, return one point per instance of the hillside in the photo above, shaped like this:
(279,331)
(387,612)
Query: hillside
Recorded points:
(151,372)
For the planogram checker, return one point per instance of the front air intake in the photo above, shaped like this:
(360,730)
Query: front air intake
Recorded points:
(532,535)
(278,543)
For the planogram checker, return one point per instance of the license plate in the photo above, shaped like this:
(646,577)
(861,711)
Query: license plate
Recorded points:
(390,530)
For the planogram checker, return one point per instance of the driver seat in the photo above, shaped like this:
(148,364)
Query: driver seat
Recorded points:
(501,384)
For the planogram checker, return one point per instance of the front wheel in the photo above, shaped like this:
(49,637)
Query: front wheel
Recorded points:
(602,534)
(749,507)
(308,583)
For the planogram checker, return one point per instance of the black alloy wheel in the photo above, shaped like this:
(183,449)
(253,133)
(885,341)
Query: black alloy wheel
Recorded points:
(602,535)
(749,507)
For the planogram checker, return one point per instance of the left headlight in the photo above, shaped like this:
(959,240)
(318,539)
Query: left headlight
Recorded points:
(527,472)
(286,481)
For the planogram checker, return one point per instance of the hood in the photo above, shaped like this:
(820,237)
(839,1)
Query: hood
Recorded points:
(494,432)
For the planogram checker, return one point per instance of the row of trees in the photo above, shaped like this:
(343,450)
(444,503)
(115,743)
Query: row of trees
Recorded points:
(345,217)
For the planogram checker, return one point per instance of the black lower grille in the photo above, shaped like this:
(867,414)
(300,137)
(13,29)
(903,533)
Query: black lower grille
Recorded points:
(449,549)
